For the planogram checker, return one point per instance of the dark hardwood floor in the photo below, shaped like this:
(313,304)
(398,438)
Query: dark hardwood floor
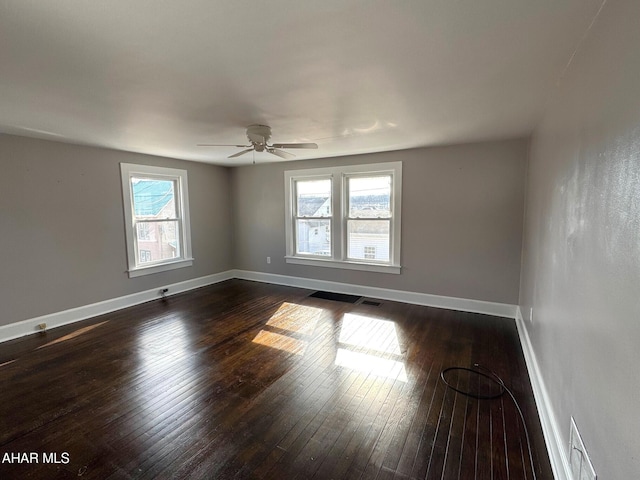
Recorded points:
(249,380)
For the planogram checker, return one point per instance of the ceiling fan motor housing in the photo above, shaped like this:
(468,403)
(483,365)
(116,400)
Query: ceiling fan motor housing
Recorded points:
(259,135)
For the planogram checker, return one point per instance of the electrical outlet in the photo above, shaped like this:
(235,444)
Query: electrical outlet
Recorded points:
(163,291)
(42,326)
(581,467)
(268,259)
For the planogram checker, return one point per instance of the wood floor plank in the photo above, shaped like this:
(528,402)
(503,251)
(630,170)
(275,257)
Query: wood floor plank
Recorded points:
(267,429)
(249,380)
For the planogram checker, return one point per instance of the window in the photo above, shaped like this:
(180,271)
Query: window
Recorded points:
(345,217)
(369,216)
(156,211)
(313,216)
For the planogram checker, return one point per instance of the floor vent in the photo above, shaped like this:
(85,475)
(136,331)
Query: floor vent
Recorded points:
(370,302)
(336,297)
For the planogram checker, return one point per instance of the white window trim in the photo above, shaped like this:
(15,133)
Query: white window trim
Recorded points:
(128,170)
(338,222)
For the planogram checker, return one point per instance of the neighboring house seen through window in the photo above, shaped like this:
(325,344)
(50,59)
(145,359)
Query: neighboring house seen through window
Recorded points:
(145,256)
(345,217)
(157,218)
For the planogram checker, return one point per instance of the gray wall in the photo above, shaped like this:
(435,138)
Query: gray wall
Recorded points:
(62,240)
(462,209)
(581,257)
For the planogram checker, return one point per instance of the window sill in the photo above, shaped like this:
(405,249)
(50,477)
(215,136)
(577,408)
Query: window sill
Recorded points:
(349,265)
(151,269)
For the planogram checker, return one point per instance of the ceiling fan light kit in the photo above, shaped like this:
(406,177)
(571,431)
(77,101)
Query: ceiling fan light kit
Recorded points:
(258,136)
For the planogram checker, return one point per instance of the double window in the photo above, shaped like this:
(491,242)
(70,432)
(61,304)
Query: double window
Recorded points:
(156,211)
(345,217)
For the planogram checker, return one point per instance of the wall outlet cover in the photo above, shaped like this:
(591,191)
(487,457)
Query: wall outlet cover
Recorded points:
(581,467)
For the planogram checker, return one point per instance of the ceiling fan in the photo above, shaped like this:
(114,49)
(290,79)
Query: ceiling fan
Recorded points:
(258,136)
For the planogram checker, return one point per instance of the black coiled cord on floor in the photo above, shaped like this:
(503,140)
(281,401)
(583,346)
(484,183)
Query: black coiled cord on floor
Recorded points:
(495,378)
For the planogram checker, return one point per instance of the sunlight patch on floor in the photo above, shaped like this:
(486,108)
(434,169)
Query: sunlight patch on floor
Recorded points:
(75,334)
(370,345)
(287,325)
(371,364)
(281,342)
(370,333)
(295,318)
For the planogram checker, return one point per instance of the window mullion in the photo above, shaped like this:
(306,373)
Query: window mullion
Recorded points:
(337,234)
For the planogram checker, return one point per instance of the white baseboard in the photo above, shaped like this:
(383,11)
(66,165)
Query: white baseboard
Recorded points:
(451,303)
(550,427)
(57,319)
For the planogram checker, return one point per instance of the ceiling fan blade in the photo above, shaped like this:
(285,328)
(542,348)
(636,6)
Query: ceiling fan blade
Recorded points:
(295,145)
(220,145)
(240,153)
(281,153)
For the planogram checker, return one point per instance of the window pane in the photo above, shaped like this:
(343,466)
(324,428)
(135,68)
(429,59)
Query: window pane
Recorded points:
(154,198)
(162,243)
(313,237)
(370,197)
(313,198)
(368,240)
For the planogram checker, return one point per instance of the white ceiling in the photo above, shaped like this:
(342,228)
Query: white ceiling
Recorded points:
(160,76)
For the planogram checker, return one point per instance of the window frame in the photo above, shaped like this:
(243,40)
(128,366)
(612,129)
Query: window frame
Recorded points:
(340,215)
(181,199)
